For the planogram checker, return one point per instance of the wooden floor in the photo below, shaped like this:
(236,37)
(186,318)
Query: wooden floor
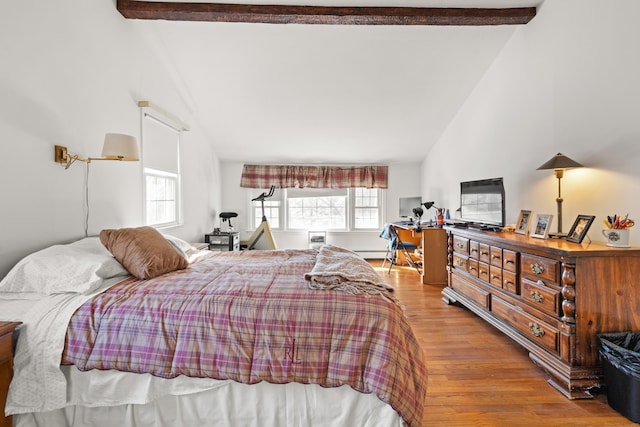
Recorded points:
(480,377)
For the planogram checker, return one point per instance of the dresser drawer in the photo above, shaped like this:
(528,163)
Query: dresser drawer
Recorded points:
(510,260)
(484,253)
(222,239)
(474,293)
(495,254)
(474,249)
(541,297)
(460,262)
(509,282)
(460,244)
(483,271)
(473,267)
(495,276)
(539,268)
(537,331)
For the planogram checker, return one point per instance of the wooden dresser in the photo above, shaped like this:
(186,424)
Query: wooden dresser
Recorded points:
(551,296)
(6,366)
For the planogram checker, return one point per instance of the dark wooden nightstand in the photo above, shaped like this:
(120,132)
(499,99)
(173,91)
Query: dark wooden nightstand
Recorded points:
(6,366)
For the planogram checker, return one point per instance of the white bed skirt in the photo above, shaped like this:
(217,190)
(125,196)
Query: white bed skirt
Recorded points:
(97,398)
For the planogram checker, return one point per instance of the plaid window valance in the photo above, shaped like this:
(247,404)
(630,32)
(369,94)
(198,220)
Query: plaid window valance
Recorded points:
(291,176)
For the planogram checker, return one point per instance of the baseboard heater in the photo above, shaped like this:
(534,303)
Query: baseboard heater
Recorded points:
(370,254)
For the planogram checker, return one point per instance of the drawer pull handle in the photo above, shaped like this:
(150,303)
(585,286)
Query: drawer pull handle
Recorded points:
(537,268)
(460,262)
(484,253)
(483,271)
(472,268)
(474,250)
(536,330)
(493,276)
(495,257)
(537,296)
(508,261)
(507,282)
(460,245)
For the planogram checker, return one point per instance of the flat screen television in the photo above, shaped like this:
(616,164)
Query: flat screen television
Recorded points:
(407,204)
(482,202)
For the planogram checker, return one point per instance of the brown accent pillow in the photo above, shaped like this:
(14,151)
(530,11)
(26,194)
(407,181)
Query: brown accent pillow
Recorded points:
(143,251)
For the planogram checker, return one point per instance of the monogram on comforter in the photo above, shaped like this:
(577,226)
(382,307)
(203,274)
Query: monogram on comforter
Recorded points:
(250,316)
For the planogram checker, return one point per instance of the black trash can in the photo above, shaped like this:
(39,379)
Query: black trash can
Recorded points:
(620,352)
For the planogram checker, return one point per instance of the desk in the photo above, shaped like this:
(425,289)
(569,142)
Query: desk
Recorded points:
(434,256)
(433,243)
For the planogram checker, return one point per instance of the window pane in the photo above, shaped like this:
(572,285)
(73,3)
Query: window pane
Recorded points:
(320,213)
(366,208)
(161,201)
(271,211)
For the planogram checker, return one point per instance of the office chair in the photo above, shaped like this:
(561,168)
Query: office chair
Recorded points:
(396,244)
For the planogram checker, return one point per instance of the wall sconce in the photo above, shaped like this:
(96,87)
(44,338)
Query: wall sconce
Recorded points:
(116,146)
(559,163)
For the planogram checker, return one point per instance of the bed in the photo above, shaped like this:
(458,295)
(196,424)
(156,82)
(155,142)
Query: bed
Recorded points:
(282,338)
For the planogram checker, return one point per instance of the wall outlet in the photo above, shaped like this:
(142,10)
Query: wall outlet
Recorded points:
(60,154)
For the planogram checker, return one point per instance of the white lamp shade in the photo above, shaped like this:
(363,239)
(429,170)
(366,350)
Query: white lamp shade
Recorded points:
(118,146)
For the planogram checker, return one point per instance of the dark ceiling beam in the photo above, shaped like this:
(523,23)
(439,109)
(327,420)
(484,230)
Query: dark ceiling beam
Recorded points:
(327,15)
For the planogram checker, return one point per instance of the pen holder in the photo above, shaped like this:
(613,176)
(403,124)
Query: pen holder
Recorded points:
(618,238)
(439,217)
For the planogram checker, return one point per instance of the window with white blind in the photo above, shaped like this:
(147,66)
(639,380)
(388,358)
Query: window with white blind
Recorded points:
(161,160)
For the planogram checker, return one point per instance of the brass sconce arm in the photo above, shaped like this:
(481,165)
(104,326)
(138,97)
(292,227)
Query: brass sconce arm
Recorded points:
(116,147)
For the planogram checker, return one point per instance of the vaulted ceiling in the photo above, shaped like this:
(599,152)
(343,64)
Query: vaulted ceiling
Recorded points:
(345,92)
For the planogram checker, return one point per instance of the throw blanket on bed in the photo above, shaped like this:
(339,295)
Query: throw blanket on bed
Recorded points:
(250,316)
(343,270)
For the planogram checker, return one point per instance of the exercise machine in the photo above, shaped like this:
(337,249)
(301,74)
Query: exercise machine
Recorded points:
(262,238)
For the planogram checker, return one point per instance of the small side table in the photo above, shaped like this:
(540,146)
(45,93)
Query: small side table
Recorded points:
(7,330)
(223,241)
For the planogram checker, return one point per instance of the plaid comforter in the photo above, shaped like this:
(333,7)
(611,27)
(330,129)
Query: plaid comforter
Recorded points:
(250,316)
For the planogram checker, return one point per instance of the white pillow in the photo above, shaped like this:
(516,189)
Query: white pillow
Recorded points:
(78,267)
(185,248)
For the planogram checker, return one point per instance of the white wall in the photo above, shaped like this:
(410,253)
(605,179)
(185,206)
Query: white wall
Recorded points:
(566,82)
(72,71)
(404,181)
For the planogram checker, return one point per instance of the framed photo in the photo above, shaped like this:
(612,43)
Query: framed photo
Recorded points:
(522,226)
(541,226)
(579,228)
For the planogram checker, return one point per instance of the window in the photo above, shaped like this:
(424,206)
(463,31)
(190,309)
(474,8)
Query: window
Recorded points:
(271,210)
(161,204)
(366,207)
(317,209)
(161,158)
(321,209)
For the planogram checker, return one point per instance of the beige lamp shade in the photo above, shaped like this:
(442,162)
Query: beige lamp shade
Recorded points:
(118,146)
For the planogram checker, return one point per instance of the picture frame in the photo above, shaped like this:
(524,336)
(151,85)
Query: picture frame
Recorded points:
(580,228)
(522,226)
(541,226)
